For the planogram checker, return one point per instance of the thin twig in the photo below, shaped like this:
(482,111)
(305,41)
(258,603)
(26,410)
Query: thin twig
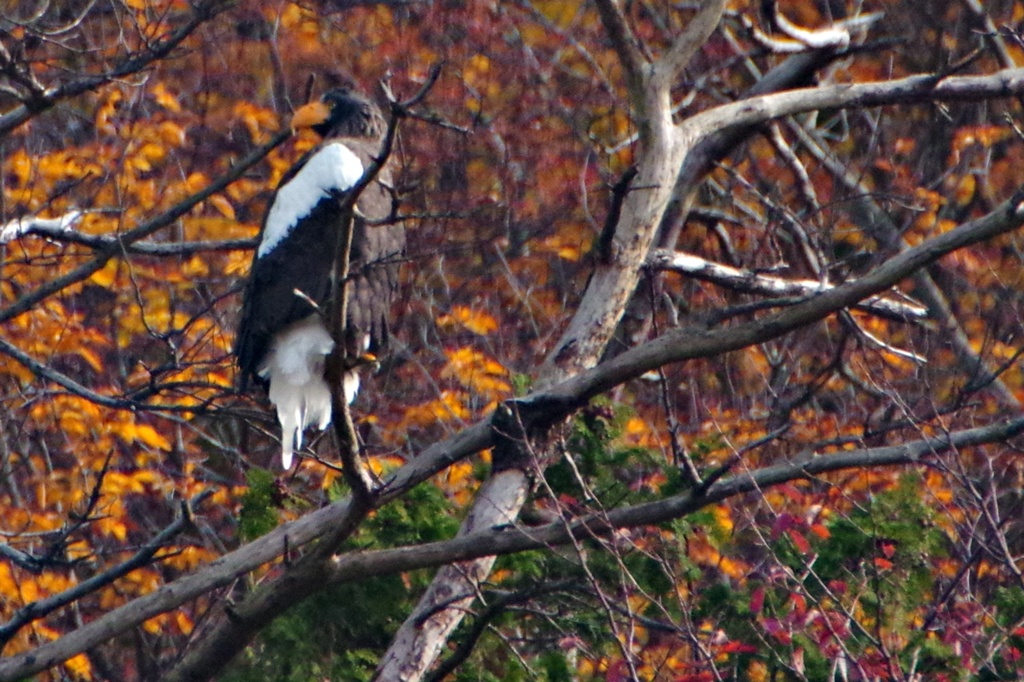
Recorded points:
(144,556)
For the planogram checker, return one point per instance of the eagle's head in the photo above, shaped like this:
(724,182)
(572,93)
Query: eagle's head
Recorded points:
(341,113)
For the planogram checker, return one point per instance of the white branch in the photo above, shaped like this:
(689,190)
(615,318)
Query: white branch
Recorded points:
(752,282)
(686,45)
(913,89)
(61,229)
(45,227)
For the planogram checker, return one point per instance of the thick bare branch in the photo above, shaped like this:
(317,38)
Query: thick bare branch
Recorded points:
(668,69)
(795,71)
(626,45)
(19,227)
(753,282)
(910,90)
(421,638)
(510,539)
(837,37)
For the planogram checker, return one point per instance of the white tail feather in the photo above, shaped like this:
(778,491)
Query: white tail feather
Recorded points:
(350,382)
(295,367)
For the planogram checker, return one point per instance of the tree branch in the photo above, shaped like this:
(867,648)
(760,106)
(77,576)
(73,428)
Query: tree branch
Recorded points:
(39,102)
(61,230)
(144,556)
(752,282)
(910,90)
(701,26)
(877,223)
(511,539)
(625,44)
(123,241)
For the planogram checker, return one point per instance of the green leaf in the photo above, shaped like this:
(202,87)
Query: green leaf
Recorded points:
(258,515)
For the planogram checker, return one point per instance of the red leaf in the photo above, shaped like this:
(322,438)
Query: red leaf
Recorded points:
(737,648)
(837,586)
(799,603)
(799,540)
(757,601)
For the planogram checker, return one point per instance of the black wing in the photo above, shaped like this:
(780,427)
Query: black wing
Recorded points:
(303,262)
(376,252)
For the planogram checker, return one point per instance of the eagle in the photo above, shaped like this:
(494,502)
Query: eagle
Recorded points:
(283,339)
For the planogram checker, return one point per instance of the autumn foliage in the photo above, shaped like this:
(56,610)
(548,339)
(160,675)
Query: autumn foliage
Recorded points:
(147,136)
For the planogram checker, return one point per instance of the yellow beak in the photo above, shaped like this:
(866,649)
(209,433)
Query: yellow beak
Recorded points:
(310,115)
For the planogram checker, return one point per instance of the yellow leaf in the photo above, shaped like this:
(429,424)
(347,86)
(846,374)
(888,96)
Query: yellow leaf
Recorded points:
(140,163)
(184,623)
(460,473)
(449,407)
(164,98)
(965,190)
(558,12)
(723,516)
(477,69)
(8,586)
(155,624)
(223,206)
(91,358)
(113,528)
(105,114)
(238,263)
(733,568)
(477,372)
(476,321)
(195,267)
(80,667)
(171,133)
(256,120)
(144,433)
(21,165)
(757,671)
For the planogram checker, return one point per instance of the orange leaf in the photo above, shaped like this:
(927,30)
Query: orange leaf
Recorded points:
(821,531)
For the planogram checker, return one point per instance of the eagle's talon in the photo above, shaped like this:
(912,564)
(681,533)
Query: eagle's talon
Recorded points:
(363,360)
